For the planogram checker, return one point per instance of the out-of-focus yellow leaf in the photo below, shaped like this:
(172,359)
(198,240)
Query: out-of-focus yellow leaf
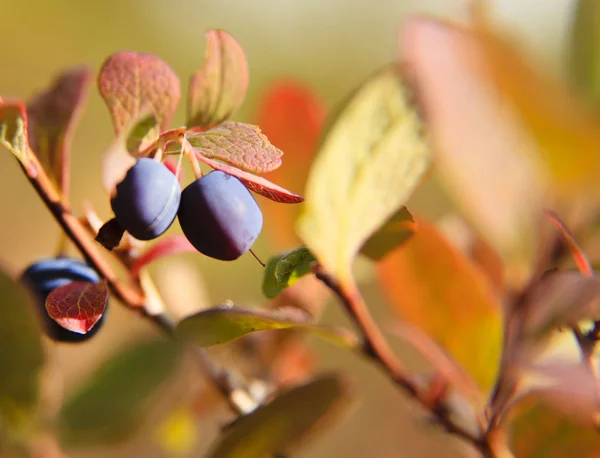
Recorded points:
(435,287)
(584,50)
(538,431)
(177,434)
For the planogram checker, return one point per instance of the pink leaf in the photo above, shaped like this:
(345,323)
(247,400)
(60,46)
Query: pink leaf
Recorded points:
(78,306)
(218,89)
(165,247)
(131,83)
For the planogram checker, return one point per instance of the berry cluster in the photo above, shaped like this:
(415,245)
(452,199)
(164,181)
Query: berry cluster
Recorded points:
(217,213)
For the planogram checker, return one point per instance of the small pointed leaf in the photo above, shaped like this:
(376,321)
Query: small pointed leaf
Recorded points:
(53,116)
(166,246)
(218,89)
(390,236)
(223,324)
(13,131)
(240,145)
(284,421)
(131,83)
(113,402)
(285,270)
(78,306)
(369,163)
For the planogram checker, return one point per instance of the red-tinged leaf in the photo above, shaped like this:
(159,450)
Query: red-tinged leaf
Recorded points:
(131,83)
(53,116)
(13,131)
(78,306)
(435,287)
(581,260)
(292,117)
(539,431)
(218,89)
(240,145)
(166,246)
(257,184)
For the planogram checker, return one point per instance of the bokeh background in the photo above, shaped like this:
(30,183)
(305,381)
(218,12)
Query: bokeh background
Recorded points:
(331,46)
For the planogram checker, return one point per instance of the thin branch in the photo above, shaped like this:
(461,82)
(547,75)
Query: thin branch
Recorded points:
(377,349)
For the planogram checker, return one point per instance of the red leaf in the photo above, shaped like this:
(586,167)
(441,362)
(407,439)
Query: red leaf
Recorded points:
(131,82)
(165,247)
(78,306)
(292,117)
(53,115)
(583,263)
(257,184)
(219,87)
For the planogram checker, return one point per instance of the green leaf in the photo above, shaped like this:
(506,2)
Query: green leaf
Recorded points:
(584,48)
(13,131)
(53,116)
(78,306)
(285,270)
(22,356)
(132,83)
(218,89)
(394,232)
(226,323)
(283,422)
(114,401)
(238,144)
(368,165)
(143,131)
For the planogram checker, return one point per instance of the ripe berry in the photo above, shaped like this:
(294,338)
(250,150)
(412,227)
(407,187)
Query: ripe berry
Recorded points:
(147,199)
(219,216)
(48,274)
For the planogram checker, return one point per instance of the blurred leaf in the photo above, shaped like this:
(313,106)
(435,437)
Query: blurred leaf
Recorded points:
(53,116)
(131,83)
(114,401)
(580,258)
(116,161)
(584,48)
(79,305)
(166,246)
(285,270)
(254,183)
(223,324)
(13,131)
(368,165)
(567,134)
(291,116)
(218,89)
(22,356)
(286,420)
(480,156)
(539,431)
(177,434)
(237,144)
(436,288)
(142,132)
(392,234)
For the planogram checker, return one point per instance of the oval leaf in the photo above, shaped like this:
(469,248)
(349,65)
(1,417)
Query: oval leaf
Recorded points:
(78,306)
(283,422)
(238,144)
(131,83)
(285,270)
(218,89)
(390,236)
(53,116)
(367,167)
(113,402)
(254,183)
(13,131)
(166,246)
(22,358)
(436,287)
(223,324)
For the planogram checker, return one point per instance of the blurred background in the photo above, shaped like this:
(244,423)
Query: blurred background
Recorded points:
(331,46)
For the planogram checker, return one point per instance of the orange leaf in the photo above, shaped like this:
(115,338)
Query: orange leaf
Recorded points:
(435,287)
